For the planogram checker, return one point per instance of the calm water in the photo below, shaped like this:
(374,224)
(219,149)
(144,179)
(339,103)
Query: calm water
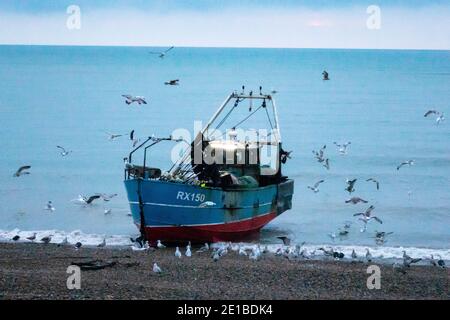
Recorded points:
(376,99)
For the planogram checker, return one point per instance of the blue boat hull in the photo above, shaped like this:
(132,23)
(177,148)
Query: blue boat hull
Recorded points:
(177,212)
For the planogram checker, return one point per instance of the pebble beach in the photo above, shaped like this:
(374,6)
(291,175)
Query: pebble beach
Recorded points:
(37,271)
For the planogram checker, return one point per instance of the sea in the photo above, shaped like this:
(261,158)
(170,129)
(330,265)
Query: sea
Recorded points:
(375,99)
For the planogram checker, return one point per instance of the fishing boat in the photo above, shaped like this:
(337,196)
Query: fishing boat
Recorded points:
(223,188)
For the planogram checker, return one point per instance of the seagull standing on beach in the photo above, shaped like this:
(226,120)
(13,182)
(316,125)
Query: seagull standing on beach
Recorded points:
(216,256)
(22,170)
(63,151)
(404,163)
(132,99)
(315,188)
(161,54)
(241,251)
(343,147)
(159,245)
(102,244)
(188,251)
(437,262)
(204,248)
(32,237)
(177,253)
(367,216)
(46,239)
(354,255)
(350,185)
(63,242)
(368,256)
(156,268)
(328,253)
(255,254)
(49,206)
(374,181)
(355,200)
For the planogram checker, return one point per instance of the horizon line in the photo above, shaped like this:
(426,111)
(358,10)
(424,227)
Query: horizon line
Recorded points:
(215,47)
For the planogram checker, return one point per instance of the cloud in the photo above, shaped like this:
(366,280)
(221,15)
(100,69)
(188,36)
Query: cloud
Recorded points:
(401,28)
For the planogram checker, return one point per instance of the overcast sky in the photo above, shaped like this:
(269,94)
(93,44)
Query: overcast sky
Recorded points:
(227,23)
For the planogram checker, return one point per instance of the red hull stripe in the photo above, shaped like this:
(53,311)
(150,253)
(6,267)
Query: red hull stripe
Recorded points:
(233,231)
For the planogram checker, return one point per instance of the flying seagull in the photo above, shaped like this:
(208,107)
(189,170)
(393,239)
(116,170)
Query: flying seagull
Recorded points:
(113,136)
(374,181)
(315,188)
(356,200)
(175,82)
(367,216)
(207,204)
(161,54)
(49,206)
(320,154)
(132,99)
(440,115)
(63,152)
(327,164)
(407,260)
(404,163)
(286,240)
(350,185)
(22,171)
(343,147)
(380,237)
(347,225)
(85,200)
(107,197)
